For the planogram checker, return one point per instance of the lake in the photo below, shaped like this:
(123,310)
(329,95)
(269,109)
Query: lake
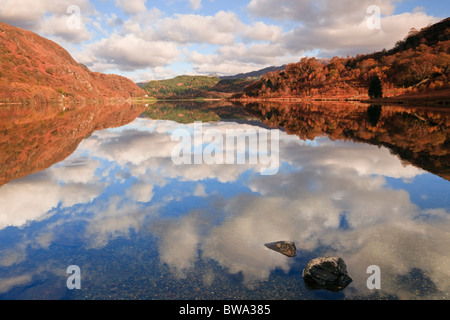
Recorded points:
(148,206)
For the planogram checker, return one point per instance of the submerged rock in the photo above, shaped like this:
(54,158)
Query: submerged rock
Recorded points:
(328,273)
(284,247)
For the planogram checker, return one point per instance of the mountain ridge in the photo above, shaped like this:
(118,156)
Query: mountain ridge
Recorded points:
(254,74)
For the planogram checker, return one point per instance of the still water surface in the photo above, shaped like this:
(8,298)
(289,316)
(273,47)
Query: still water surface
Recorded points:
(141,227)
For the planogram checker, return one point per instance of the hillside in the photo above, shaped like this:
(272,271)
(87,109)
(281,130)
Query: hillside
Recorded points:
(418,65)
(181,85)
(194,87)
(35,68)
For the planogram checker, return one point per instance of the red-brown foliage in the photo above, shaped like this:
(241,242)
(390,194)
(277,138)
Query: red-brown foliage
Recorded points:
(35,136)
(417,135)
(420,63)
(32,67)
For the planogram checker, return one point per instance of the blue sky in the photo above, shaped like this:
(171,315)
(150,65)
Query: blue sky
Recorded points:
(149,39)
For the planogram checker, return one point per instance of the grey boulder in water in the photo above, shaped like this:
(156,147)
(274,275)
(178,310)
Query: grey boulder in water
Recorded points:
(284,247)
(329,273)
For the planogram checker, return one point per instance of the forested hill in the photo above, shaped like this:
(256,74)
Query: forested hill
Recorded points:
(35,68)
(198,86)
(418,64)
(194,87)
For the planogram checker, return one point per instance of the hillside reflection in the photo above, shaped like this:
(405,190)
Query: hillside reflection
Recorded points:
(331,197)
(34,137)
(419,136)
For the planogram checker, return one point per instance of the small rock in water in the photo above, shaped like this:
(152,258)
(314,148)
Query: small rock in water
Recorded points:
(284,247)
(328,273)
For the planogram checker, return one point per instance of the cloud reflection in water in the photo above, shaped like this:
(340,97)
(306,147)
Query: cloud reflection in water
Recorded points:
(329,197)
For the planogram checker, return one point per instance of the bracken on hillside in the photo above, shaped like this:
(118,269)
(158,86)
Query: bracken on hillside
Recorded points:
(418,64)
(32,67)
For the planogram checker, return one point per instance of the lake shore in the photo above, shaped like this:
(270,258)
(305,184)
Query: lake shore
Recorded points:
(437,98)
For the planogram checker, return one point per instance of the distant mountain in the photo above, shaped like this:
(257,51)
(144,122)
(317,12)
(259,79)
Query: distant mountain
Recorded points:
(32,67)
(210,86)
(254,74)
(419,65)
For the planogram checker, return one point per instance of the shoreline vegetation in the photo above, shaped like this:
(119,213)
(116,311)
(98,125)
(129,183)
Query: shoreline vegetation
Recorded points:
(427,99)
(432,99)
(437,98)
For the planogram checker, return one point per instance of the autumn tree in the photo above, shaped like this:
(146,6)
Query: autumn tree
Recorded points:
(375,88)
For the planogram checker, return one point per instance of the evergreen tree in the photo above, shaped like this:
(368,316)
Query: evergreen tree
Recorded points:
(374,114)
(375,88)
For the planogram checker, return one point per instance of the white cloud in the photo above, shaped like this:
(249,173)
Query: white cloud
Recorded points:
(33,197)
(196,4)
(257,53)
(164,38)
(317,12)
(355,38)
(338,27)
(132,6)
(156,73)
(42,194)
(200,191)
(260,31)
(140,192)
(48,19)
(185,232)
(215,63)
(131,149)
(7,283)
(129,52)
(113,219)
(240,58)
(364,159)
(58,27)
(114,21)
(218,29)
(81,170)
